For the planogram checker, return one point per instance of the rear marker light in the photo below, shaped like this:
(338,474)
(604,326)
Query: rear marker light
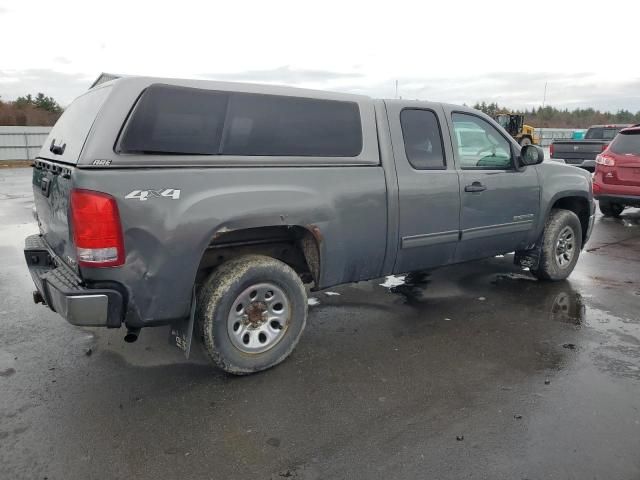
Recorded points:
(97,233)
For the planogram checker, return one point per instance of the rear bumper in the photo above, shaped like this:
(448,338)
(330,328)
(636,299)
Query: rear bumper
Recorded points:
(577,162)
(63,291)
(627,200)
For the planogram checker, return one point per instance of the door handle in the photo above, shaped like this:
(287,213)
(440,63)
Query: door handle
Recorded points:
(475,187)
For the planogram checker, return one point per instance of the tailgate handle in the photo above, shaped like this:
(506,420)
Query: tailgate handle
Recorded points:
(45,186)
(57,149)
(475,187)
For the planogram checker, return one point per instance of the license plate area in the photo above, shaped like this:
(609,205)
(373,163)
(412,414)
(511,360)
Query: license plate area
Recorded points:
(629,175)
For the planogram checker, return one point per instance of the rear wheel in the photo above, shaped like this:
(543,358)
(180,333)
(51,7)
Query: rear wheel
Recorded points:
(609,209)
(525,141)
(251,312)
(561,244)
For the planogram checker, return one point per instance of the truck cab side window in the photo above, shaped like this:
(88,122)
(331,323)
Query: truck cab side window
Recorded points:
(479,145)
(422,139)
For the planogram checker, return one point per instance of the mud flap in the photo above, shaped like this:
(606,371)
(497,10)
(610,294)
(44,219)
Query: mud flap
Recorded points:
(528,258)
(181,332)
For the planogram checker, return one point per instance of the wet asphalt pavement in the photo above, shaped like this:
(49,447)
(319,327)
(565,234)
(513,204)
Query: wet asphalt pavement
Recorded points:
(474,371)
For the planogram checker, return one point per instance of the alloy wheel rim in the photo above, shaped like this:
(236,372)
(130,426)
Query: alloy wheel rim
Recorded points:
(565,247)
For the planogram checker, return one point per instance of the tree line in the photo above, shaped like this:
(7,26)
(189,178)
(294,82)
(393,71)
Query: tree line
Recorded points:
(44,110)
(552,117)
(41,110)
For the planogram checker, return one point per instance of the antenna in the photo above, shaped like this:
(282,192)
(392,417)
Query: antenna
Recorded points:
(544,100)
(396,88)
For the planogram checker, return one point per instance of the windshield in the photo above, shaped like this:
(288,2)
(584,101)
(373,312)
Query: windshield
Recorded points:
(503,120)
(627,143)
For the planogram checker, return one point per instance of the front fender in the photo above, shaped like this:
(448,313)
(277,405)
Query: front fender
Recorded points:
(558,181)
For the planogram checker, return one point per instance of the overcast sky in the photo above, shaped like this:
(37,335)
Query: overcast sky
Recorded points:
(448,50)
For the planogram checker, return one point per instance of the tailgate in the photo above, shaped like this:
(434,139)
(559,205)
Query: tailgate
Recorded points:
(52,183)
(583,150)
(54,168)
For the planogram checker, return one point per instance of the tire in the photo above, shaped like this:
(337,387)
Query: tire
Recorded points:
(561,245)
(525,141)
(609,209)
(233,322)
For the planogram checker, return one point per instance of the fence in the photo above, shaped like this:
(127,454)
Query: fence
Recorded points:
(548,135)
(21,143)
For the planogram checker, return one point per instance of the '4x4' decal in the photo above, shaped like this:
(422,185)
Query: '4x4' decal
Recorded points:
(143,195)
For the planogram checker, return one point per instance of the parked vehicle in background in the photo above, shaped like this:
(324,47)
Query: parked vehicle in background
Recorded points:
(582,153)
(616,183)
(515,126)
(164,201)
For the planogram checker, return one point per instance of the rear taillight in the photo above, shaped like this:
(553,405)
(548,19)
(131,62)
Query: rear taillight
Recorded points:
(97,232)
(605,160)
(551,149)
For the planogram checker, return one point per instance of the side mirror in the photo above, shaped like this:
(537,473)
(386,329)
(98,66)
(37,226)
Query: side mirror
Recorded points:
(531,155)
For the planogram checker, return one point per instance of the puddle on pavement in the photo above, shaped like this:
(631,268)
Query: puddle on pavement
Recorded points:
(619,353)
(615,349)
(612,343)
(568,307)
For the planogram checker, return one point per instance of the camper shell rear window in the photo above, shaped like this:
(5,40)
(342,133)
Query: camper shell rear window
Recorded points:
(191,121)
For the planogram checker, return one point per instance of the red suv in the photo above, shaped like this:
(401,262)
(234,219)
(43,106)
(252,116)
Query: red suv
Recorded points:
(616,182)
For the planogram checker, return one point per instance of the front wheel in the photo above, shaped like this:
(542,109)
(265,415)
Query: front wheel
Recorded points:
(251,312)
(609,209)
(525,141)
(561,245)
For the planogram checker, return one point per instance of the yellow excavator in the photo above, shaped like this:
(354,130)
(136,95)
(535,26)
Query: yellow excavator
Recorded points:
(514,124)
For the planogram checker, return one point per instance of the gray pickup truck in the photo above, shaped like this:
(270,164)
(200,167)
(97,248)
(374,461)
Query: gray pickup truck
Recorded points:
(582,153)
(208,206)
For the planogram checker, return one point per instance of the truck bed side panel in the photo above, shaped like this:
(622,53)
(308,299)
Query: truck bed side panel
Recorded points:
(166,237)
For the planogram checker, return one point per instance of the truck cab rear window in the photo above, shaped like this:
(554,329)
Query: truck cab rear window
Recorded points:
(178,120)
(422,139)
(600,133)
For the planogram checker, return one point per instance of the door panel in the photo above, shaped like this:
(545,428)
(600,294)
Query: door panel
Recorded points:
(500,218)
(499,204)
(429,198)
